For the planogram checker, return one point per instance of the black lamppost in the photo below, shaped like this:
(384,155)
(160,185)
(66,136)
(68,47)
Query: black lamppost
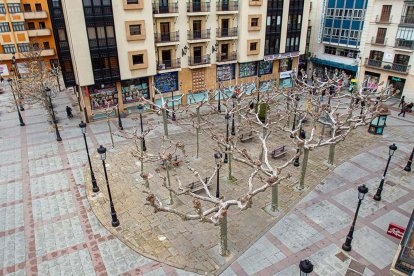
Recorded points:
(305,267)
(233,129)
(15,101)
(16,73)
(219,99)
(227,117)
(391,151)
(294,116)
(258,90)
(362,190)
(95,187)
(410,161)
(140,111)
(217,157)
(102,153)
(173,106)
(119,118)
(49,94)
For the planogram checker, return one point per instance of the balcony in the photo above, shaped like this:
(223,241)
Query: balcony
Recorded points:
(164,10)
(383,19)
(388,66)
(227,7)
(379,41)
(169,65)
(222,58)
(167,38)
(223,34)
(198,36)
(198,8)
(404,44)
(47,52)
(39,32)
(407,20)
(102,43)
(199,61)
(35,15)
(6,56)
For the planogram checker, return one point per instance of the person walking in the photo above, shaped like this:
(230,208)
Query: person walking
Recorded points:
(403,109)
(69,112)
(402,100)
(2,81)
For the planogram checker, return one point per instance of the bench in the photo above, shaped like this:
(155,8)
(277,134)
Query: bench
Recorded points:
(246,136)
(197,185)
(277,152)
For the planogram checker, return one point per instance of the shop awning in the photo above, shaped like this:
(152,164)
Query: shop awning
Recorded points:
(335,64)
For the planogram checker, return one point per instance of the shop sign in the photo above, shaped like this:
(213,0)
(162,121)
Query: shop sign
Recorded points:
(396,231)
(395,79)
(281,56)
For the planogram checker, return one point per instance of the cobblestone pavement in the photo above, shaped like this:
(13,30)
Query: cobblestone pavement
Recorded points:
(48,227)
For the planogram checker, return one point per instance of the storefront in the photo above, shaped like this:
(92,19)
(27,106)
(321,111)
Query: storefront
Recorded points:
(103,96)
(331,66)
(398,85)
(166,82)
(247,69)
(225,72)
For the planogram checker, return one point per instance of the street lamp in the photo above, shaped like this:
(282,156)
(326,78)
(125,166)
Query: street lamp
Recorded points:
(258,89)
(410,161)
(294,115)
(305,267)
(219,99)
(140,108)
(119,118)
(15,101)
(227,117)
(173,106)
(95,187)
(102,153)
(217,157)
(49,94)
(391,151)
(234,98)
(362,191)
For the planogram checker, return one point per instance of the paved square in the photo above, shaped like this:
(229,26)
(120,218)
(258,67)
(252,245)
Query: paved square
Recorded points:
(53,206)
(391,217)
(11,217)
(345,171)
(11,192)
(16,250)
(48,183)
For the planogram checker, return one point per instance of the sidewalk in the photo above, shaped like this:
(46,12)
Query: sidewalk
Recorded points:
(48,227)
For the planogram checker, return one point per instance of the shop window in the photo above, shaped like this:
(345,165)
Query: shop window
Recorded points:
(103,97)
(133,90)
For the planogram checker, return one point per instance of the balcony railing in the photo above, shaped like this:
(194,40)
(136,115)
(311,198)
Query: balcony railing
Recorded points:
(379,40)
(199,60)
(102,42)
(198,6)
(404,44)
(227,6)
(223,57)
(169,64)
(383,19)
(226,32)
(389,66)
(409,20)
(167,37)
(35,15)
(203,34)
(160,8)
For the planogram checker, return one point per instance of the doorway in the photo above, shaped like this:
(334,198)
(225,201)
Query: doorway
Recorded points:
(224,52)
(225,27)
(197,51)
(163,5)
(165,31)
(197,29)
(166,58)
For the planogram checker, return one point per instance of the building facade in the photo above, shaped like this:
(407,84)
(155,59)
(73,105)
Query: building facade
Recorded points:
(337,35)
(112,49)
(24,23)
(388,53)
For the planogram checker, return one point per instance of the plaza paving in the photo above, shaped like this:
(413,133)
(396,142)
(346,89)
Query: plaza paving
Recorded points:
(49,227)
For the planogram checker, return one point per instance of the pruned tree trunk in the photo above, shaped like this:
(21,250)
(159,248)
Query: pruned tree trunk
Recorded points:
(275,197)
(110,131)
(165,121)
(223,236)
(198,132)
(167,168)
(304,167)
(331,154)
(142,155)
(230,177)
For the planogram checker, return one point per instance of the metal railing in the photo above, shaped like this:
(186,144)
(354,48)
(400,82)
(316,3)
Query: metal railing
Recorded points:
(199,60)
(409,20)
(202,34)
(227,6)
(161,8)
(389,66)
(195,6)
(167,37)
(379,40)
(169,64)
(404,44)
(383,19)
(226,32)
(223,57)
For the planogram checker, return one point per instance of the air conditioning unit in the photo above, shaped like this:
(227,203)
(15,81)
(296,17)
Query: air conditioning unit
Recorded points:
(161,66)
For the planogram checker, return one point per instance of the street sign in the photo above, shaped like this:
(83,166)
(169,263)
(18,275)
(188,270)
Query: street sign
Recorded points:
(396,231)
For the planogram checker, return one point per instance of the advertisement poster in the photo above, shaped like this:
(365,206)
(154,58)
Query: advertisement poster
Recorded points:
(248,69)
(167,82)
(265,67)
(4,71)
(225,72)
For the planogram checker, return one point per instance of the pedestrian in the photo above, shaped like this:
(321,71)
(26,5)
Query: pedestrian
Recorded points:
(403,109)
(69,112)
(2,81)
(401,101)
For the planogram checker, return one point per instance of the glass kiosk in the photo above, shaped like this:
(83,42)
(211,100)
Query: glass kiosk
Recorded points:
(403,263)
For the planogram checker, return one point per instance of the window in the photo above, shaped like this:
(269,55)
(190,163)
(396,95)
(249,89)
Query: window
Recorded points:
(62,35)
(137,59)
(254,22)
(36,46)
(135,29)
(330,50)
(31,25)
(18,26)
(132,2)
(38,7)
(4,27)
(9,49)
(27,7)
(24,47)
(42,25)
(46,45)
(253,46)
(385,13)
(14,8)
(2,9)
